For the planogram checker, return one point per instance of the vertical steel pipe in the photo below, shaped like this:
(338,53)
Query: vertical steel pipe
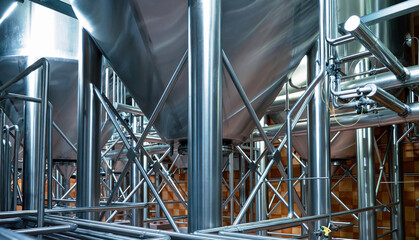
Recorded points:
(396,177)
(261,199)
(15,167)
(204,115)
(2,154)
(144,161)
(157,183)
(136,214)
(231,183)
(31,145)
(242,191)
(318,146)
(50,167)
(6,168)
(366,183)
(88,149)
(301,102)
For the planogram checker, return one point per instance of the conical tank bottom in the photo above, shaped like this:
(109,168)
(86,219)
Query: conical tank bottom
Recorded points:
(66,168)
(145,40)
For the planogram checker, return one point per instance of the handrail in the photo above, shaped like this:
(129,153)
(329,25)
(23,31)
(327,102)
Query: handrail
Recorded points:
(42,124)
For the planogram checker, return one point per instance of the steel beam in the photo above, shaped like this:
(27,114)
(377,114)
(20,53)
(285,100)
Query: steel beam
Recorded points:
(88,154)
(205,115)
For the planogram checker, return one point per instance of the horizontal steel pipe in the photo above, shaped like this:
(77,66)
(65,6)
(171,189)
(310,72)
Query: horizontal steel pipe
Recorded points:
(391,12)
(386,81)
(19,97)
(280,222)
(71,210)
(344,123)
(10,220)
(369,72)
(249,236)
(360,31)
(48,230)
(7,234)
(355,56)
(173,235)
(128,109)
(113,228)
(387,100)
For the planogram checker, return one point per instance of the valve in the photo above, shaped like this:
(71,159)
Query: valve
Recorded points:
(326,231)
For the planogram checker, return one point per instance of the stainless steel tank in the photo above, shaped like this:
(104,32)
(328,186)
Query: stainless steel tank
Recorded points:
(144,41)
(27,34)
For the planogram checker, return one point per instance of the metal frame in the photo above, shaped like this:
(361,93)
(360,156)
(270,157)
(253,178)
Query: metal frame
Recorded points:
(120,188)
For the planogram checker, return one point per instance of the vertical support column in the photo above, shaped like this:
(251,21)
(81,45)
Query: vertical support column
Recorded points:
(136,214)
(261,199)
(157,214)
(395,166)
(231,183)
(6,201)
(88,154)
(304,194)
(366,182)
(58,189)
(242,190)
(145,186)
(204,115)
(31,143)
(318,146)
(3,168)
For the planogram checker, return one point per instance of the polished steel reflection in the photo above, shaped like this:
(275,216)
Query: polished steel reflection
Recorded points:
(144,40)
(395,169)
(318,145)
(366,182)
(88,151)
(359,30)
(205,115)
(379,119)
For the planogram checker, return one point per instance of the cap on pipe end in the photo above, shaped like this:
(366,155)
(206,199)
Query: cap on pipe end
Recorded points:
(405,75)
(352,23)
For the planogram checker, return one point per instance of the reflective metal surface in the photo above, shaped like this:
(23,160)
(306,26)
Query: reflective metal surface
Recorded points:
(145,40)
(343,147)
(397,185)
(318,145)
(32,31)
(204,115)
(366,182)
(382,118)
(366,37)
(88,117)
